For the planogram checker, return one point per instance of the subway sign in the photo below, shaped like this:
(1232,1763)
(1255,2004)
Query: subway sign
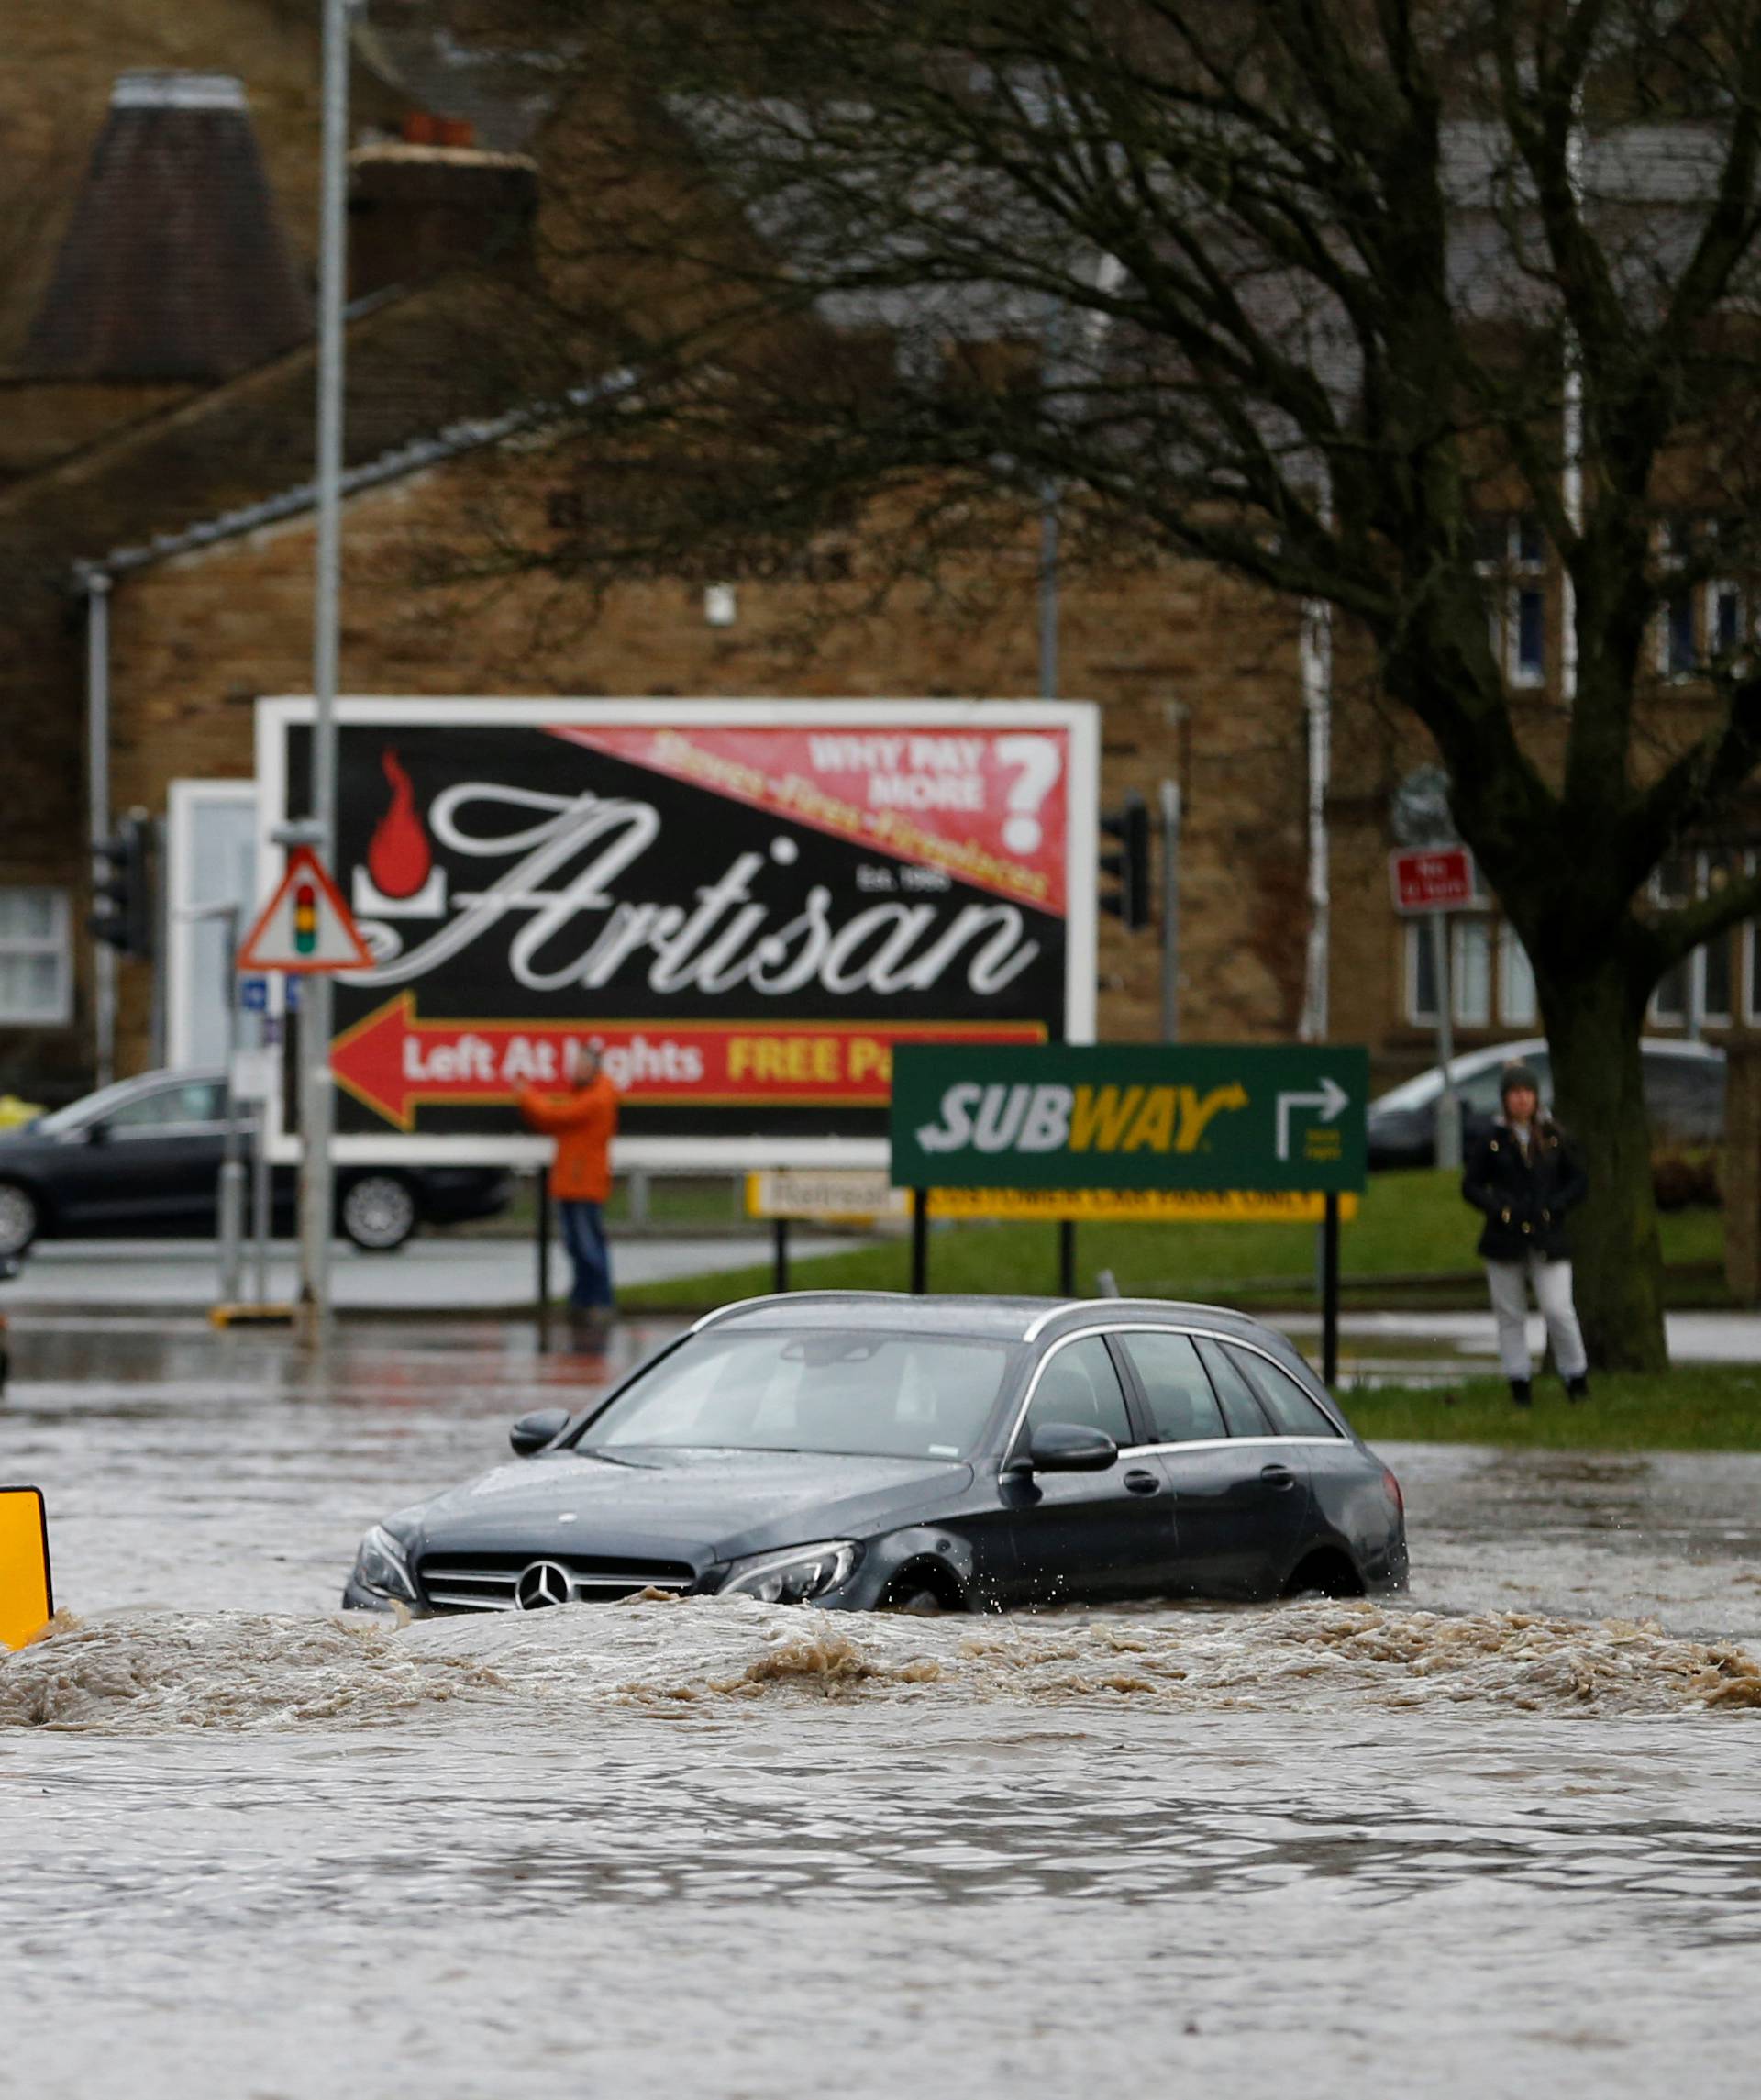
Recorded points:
(1130,1115)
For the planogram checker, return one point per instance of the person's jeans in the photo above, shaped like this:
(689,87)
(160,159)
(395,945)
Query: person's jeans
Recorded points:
(584,1233)
(1552,1281)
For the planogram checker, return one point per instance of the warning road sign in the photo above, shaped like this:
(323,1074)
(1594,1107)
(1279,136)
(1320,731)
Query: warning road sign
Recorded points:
(305,925)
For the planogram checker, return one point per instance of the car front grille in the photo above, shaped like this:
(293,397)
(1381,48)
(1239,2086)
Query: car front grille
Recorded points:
(489,1582)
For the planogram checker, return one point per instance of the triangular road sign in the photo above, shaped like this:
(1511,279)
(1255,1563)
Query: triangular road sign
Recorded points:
(304,926)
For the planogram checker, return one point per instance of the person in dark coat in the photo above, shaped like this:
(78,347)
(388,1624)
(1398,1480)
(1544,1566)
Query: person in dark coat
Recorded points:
(1524,1176)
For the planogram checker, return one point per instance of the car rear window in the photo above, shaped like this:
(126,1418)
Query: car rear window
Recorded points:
(1293,1413)
(1182,1407)
(1243,1413)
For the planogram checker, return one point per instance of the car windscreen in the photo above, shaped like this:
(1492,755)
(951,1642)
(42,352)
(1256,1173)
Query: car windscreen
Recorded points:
(876,1395)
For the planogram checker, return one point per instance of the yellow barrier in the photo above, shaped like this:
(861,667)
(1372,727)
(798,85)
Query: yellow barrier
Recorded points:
(26,1597)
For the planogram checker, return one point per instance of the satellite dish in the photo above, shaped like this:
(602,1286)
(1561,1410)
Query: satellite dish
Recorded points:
(1419,811)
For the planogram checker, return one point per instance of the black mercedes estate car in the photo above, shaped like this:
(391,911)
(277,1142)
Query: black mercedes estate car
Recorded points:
(861,1451)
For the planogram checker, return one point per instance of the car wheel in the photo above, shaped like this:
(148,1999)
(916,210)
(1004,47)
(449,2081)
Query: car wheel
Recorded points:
(911,1594)
(20,1219)
(377,1212)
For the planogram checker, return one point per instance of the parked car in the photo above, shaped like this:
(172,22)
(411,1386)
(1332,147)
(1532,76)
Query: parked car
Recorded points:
(1684,1091)
(144,1157)
(859,1450)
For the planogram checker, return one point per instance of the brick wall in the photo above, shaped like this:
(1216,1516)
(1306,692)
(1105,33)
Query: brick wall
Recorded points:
(1197,677)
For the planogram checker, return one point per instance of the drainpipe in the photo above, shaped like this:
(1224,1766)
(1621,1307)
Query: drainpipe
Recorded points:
(98,794)
(1317,705)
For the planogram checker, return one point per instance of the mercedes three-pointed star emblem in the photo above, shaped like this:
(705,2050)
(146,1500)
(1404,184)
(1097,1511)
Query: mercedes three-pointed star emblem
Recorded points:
(543,1584)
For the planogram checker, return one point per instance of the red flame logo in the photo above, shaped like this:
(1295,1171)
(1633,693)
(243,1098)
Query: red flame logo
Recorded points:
(399,857)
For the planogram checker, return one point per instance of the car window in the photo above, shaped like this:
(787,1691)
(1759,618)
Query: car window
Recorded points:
(1243,1413)
(1182,1407)
(192,1101)
(888,1396)
(1293,1413)
(1079,1384)
(1685,1097)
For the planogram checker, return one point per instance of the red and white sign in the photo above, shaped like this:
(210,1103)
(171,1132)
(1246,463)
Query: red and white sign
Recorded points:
(1432,878)
(304,926)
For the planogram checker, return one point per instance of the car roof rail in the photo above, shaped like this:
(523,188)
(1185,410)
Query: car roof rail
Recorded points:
(783,1297)
(1121,1304)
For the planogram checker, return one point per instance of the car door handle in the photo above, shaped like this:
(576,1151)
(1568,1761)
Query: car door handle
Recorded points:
(1141,1482)
(1278,1476)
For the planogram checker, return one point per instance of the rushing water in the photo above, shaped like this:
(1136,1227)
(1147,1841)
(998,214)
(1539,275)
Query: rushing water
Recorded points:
(1506,1838)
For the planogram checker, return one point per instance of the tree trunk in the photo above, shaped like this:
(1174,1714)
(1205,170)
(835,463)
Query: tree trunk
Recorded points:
(1593,1023)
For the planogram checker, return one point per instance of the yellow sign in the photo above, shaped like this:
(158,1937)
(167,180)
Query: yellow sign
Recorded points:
(26,1602)
(1136,1206)
(826,1196)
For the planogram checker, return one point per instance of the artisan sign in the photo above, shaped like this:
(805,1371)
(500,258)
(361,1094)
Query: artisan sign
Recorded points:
(1127,1115)
(747,905)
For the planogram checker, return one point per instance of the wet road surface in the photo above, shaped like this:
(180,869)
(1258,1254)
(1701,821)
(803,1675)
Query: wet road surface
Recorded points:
(1504,1838)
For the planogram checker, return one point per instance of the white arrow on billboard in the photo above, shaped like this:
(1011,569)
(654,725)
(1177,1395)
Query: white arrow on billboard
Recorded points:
(1330,1101)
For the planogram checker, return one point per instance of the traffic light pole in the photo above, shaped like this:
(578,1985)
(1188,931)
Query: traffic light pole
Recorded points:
(97,737)
(317,1095)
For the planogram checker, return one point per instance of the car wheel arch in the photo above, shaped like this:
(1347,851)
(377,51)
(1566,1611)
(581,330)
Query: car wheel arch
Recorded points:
(48,1225)
(927,1558)
(1328,1566)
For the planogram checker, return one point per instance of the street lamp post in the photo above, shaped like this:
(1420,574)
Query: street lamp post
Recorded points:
(316,1098)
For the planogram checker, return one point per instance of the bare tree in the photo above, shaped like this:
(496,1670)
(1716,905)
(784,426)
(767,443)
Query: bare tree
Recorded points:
(1359,299)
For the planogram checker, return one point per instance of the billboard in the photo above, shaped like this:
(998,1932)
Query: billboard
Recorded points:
(746,903)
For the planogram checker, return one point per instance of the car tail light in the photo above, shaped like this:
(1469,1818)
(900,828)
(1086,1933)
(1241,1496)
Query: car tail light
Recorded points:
(1394,1488)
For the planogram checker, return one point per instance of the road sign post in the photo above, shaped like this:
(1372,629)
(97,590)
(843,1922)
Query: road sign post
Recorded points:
(1433,881)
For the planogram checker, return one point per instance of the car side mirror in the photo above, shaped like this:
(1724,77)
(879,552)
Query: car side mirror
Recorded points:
(1071,1447)
(97,1133)
(532,1432)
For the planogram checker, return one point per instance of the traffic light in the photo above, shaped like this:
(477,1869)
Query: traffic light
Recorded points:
(305,916)
(122,887)
(1129,899)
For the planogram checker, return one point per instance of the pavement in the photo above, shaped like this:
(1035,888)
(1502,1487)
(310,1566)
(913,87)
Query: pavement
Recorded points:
(1694,1337)
(445,1273)
(433,1273)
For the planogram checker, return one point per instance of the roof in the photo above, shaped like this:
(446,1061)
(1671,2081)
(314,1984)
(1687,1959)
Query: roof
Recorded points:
(174,266)
(974,1315)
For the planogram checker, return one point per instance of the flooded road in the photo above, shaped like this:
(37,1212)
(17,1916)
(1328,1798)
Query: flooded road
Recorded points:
(1505,1838)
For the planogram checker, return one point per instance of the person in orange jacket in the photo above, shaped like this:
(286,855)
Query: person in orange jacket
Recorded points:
(583,1122)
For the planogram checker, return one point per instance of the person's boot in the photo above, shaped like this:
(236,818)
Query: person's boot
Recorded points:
(1577,1388)
(1522,1392)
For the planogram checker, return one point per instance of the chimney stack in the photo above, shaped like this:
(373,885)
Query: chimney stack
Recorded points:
(173,267)
(432,202)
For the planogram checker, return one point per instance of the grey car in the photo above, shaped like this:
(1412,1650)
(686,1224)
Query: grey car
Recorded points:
(861,1451)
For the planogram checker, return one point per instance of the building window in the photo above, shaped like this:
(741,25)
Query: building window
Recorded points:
(36,968)
(1470,966)
(1513,555)
(1697,990)
(1484,958)
(1516,1000)
(1700,623)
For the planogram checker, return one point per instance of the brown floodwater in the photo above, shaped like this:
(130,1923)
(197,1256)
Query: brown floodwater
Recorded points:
(1505,1836)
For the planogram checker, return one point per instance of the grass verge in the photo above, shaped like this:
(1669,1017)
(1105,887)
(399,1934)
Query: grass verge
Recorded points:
(1413,1227)
(1698,1407)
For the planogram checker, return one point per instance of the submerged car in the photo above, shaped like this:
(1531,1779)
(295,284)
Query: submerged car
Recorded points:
(862,1450)
(144,1157)
(1684,1097)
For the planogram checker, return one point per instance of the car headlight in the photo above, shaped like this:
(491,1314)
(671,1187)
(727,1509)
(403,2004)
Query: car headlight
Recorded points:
(793,1577)
(382,1566)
